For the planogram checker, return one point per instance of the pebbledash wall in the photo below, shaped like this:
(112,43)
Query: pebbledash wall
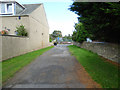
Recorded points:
(38,34)
(107,50)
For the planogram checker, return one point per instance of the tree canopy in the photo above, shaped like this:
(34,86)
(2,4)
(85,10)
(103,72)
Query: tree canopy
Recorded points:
(55,34)
(80,34)
(100,20)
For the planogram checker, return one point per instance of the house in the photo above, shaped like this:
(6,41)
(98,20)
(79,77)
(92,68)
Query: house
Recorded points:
(33,17)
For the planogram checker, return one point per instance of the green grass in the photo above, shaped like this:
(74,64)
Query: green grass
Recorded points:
(104,73)
(11,66)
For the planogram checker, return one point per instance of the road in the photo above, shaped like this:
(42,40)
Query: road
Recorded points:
(56,68)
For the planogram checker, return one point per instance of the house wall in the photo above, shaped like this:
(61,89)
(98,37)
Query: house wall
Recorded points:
(11,22)
(39,29)
(13,46)
(35,24)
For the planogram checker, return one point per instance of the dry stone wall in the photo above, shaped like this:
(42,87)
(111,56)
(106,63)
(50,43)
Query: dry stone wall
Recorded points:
(107,50)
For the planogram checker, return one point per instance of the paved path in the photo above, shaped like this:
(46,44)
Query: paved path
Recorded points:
(53,69)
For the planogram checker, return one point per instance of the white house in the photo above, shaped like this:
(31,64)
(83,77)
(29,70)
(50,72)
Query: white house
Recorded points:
(33,17)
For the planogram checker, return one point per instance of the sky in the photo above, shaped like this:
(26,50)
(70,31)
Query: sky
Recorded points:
(58,15)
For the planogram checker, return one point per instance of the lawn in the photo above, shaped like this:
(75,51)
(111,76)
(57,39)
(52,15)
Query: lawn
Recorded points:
(104,73)
(11,66)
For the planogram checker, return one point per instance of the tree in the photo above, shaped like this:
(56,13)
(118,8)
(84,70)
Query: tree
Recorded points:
(80,34)
(55,34)
(101,20)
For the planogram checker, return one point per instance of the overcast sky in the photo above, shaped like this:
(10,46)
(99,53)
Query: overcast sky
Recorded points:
(58,15)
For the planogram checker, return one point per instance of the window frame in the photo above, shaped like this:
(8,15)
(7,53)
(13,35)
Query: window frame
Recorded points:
(6,9)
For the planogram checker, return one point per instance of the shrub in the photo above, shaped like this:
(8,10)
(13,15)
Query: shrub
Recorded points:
(21,31)
(50,40)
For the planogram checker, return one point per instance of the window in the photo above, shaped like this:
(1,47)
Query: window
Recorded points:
(2,8)
(9,8)
(6,8)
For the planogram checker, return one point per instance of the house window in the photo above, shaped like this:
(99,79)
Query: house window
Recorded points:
(2,8)
(9,8)
(6,8)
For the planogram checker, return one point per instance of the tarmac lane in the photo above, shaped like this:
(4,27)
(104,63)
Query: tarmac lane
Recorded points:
(56,68)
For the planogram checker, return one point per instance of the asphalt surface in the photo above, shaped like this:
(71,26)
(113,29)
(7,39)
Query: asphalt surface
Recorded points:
(54,69)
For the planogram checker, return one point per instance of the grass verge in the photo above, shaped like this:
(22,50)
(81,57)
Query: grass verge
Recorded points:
(104,73)
(11,66)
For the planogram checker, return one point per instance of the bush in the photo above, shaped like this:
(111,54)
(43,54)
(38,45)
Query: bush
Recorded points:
(50,40)
(21,31)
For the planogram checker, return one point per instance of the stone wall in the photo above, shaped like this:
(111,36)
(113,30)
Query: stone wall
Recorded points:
(107,50)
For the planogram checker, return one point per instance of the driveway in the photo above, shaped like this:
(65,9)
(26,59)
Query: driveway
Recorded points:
(56,68)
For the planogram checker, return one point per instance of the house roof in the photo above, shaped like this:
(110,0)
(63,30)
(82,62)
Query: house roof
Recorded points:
(29,8)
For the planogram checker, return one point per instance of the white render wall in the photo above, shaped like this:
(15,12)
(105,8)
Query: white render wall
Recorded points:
(39,29)
(11,22)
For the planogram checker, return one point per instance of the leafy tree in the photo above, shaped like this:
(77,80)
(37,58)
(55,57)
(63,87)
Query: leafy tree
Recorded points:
(55,34)
(80,34)
(101,20)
